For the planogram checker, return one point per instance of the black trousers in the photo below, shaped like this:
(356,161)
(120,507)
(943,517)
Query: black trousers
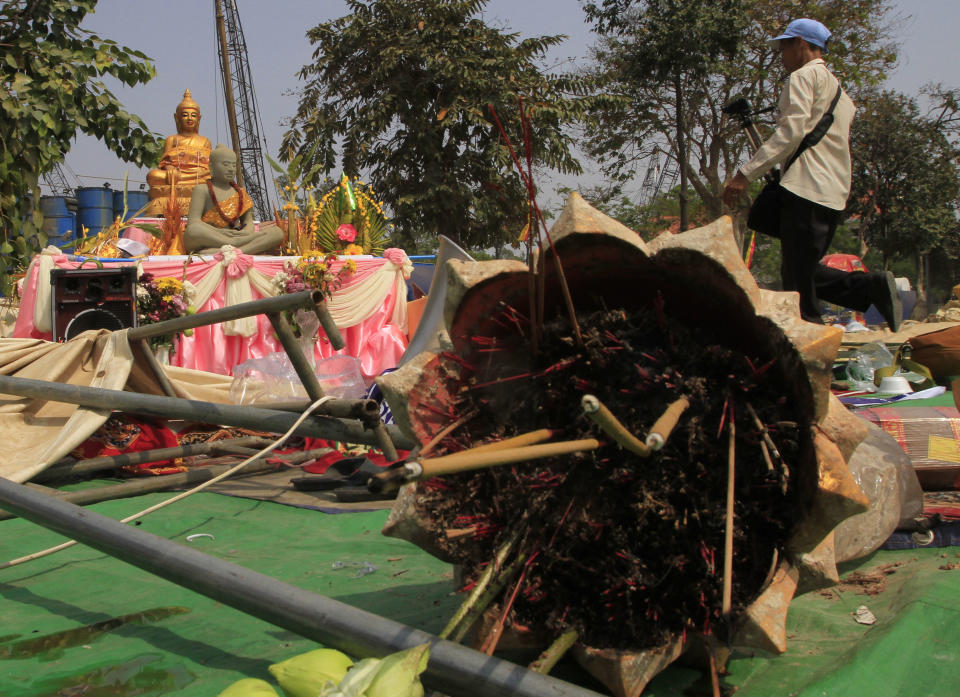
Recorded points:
(806,231)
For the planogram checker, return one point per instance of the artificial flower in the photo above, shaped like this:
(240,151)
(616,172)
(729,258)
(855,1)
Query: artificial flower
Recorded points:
(346,232)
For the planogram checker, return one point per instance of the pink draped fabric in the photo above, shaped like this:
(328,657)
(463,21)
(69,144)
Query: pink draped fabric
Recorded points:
(376,341)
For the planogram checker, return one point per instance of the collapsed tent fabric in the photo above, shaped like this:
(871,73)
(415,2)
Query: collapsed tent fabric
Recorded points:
(36,433)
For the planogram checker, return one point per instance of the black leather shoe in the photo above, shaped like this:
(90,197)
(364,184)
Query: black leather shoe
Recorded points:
(887,300)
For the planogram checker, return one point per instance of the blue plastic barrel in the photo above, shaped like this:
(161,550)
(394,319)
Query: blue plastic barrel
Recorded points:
(94,208)
(135,201)
(59,223)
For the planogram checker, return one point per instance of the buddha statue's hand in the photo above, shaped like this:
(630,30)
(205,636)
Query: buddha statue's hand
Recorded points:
(173,175)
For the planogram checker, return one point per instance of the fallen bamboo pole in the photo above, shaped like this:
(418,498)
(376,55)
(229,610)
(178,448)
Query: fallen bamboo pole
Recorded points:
(366,410)
(452,669)
(125,490)
(149,485)
(143,457)
(301,364)
(268,420)
(158,372)
(311,300)
(362,409)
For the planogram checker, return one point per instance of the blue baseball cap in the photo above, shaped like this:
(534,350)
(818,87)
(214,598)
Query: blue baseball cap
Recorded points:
(810,30)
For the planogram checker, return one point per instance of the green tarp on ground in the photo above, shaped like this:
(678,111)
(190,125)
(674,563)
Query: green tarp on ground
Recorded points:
(82,623)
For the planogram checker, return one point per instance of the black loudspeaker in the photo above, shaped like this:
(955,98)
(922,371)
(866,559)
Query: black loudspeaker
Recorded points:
(93,299)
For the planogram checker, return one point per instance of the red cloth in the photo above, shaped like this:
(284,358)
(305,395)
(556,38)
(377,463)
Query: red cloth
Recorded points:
(322,464)
(127,434)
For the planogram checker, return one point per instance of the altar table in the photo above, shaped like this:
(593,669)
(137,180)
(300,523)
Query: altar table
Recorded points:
(370,307)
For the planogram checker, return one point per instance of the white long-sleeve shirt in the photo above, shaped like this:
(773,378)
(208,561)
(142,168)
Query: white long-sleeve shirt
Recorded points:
(822,173)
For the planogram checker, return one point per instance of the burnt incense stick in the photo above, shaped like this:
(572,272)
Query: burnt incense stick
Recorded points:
(471,460)
(611,425)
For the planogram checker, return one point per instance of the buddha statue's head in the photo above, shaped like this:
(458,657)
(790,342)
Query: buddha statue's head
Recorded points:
(187,115)
(223,165)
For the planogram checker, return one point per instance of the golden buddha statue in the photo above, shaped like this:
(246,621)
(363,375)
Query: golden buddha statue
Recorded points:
(184,164)
(222,213)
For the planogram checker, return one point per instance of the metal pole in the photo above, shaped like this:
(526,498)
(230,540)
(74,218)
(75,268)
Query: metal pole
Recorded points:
(294,301)
(361,409)
(329,327)
(269,420)
(158,372)
(297,357)
(228,88)
(453,669)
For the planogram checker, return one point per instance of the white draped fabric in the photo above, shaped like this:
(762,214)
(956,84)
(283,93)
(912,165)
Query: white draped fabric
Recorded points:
(369,302)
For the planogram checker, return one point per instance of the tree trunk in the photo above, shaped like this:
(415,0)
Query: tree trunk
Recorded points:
(681,152)
(923,283)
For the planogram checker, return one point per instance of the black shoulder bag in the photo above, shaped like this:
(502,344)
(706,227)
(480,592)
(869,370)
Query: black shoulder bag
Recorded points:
(764,214)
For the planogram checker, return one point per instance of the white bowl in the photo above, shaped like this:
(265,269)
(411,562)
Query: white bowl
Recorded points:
(894,384)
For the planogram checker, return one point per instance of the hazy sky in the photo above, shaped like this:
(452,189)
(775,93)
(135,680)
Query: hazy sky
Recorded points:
(179,37)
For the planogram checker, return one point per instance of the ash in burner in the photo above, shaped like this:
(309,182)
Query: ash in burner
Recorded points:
(626,550)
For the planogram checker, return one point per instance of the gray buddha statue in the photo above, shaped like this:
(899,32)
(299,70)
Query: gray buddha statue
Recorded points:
(222,213)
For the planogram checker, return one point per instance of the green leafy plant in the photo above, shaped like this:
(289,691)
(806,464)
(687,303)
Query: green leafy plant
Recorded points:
(51,88)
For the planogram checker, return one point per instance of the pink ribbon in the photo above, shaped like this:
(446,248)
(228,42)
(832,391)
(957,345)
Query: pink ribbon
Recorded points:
(238,265)
(397,256)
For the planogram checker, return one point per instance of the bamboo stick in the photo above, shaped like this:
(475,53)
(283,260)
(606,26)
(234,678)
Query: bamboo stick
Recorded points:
(471,608)
(552,655)
(728,528)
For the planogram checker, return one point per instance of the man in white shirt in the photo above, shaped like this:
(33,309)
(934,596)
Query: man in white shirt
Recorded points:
(815,187)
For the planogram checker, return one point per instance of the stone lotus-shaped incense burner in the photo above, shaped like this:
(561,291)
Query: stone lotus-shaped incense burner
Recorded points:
(695,288)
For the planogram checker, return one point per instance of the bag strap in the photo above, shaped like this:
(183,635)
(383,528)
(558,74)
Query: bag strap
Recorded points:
(815,135)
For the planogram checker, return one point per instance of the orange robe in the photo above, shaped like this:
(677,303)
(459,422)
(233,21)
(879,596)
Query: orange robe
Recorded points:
(234,207)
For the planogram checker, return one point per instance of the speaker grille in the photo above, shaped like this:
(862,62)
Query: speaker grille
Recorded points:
(95,318)
(93,299)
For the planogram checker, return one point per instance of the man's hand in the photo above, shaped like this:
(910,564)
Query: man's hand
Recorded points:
(734,190)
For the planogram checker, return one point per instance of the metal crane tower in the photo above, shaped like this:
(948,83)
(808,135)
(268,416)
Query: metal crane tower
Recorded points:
(57,181)
(242,110)
(648,189)
(660,178)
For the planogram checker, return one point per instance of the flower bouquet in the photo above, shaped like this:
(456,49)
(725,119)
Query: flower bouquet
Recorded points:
(160,299)
(311,272)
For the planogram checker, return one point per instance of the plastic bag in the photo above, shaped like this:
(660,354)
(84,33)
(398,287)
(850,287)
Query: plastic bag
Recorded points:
(886,475)
(864,362)
(273,379)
